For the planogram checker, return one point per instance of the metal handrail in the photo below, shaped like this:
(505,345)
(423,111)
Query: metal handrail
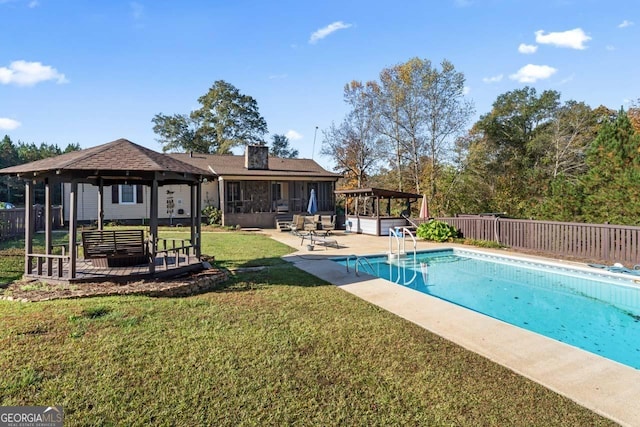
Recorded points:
(358,261)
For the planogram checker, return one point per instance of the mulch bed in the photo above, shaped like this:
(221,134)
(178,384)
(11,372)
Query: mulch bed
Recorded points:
(30,291)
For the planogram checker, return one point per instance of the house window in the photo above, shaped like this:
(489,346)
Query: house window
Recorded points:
(126,194)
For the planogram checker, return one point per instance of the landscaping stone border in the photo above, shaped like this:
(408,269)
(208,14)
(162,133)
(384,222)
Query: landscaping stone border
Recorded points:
(196,283)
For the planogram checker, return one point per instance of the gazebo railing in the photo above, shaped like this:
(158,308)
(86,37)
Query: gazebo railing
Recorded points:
(172,248)
(36,264)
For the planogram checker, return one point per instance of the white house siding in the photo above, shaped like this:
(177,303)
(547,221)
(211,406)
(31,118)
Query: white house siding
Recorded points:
(181,194)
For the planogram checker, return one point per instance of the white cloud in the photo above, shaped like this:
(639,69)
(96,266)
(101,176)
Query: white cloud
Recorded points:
(278,76)
(463,3)
(293,135)
(33,4)
(137,10)
(532,73)
(527,48)
(610,47)
(466,90)
(493,79)
(625,24)
(324,32)
(23,73)
(573,39)
(9,124)
(567,79)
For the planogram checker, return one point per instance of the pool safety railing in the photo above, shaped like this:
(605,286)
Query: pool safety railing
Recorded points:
(401,245)
(358,260)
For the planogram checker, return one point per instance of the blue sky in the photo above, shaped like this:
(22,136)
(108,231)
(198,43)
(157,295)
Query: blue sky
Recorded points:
(89,72)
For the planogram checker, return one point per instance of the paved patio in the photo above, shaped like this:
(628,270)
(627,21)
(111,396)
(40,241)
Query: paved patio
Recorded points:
(606,387)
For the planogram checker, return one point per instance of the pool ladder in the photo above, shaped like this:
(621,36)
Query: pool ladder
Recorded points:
(359,260)
(401,251)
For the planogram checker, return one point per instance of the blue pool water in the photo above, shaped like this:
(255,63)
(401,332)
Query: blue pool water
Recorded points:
(588,309)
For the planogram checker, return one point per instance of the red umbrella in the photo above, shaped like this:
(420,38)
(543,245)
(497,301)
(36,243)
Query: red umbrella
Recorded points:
(424,209)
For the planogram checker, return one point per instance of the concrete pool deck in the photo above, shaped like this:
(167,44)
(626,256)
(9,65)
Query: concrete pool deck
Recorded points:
(604,386)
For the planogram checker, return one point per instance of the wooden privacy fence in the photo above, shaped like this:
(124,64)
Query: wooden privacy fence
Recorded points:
(12,220)
(604,242)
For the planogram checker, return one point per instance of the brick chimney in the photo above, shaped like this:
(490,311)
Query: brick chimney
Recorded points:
(256,157)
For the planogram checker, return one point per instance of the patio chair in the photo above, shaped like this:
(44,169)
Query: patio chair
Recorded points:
(328,224)
(310,223)
(298,225)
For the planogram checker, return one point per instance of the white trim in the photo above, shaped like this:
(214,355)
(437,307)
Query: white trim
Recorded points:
(135,192)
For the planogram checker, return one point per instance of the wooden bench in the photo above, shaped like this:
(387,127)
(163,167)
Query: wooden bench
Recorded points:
(115,248)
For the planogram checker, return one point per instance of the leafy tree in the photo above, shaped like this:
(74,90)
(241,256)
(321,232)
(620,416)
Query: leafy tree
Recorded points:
(226,119)
(515,139)
(12,189)
(8,157)
(280,147)
(354,144)
(634,115)
(8,153)
(179,133)
(422,111)
(611,183)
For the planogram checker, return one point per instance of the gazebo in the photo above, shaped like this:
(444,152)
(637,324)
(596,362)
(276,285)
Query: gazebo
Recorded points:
(113,163)
(371,211)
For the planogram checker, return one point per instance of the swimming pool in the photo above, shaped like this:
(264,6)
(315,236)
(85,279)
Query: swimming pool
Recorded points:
(589,309)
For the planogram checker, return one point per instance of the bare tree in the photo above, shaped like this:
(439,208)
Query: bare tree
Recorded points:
(572,130)
(354,144)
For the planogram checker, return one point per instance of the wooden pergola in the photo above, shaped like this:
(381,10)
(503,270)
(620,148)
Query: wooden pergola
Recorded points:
(114,163)
(375,223)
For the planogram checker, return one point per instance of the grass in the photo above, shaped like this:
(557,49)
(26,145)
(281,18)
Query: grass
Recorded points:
(273,347)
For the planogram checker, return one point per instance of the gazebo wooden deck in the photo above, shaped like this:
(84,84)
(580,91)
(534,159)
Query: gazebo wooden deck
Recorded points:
(117,162)
(86,271)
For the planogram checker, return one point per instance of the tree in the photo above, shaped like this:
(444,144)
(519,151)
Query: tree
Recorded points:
(573,128)
(280,147)
(634,114)
(226,119)
(611,183)
(8,157)
(178,133)
(354,144)
(12,189)
(515,136)
(422,111)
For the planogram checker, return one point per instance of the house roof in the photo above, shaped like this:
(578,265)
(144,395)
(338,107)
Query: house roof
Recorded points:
(378,192)
(119,155)
(232,165)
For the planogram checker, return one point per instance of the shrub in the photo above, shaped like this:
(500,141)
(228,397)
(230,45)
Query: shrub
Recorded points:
(437,231)
(482,243)
(213,214)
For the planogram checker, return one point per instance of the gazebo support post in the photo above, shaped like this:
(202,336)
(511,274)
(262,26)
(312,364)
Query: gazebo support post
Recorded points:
(48,244)
(73,229)
(28,226)
(100,204)
(153,225)
(199,219)
(194,231)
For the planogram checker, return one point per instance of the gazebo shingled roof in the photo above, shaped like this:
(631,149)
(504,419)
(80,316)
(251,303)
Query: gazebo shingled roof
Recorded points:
(116,159)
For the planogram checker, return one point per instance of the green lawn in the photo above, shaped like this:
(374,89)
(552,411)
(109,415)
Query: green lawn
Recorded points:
(274,347)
